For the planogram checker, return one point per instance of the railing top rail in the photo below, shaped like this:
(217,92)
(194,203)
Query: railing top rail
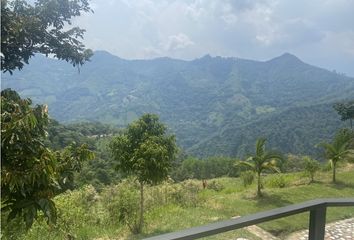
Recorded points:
(232,224)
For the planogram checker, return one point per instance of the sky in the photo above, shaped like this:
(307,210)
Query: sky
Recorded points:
(319,32)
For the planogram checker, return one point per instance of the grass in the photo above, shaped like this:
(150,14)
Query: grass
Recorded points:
(89,219)
(236,200)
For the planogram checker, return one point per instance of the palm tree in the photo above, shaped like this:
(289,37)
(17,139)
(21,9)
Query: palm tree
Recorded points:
(339,149)
(261,161)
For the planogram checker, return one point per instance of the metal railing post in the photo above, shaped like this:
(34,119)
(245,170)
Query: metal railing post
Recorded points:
(317,223)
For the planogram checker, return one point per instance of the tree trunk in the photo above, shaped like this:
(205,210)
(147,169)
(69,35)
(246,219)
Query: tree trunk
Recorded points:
(351,123)
(334,172)
(141,220)
(259,193)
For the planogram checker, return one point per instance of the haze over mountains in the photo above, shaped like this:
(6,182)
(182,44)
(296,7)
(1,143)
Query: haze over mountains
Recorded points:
(214,105)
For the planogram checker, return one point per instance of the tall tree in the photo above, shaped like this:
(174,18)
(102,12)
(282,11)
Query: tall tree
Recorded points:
(146,151)
(41,27)
(339,149)
(261,161)
(31,174)
(346,111)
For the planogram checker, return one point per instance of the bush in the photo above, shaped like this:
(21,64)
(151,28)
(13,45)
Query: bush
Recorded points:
(311,166)
(276,181)
(76,209)
(247,178)
(187,193)
(216,186)
(14,229)
(293,163)
(122,203)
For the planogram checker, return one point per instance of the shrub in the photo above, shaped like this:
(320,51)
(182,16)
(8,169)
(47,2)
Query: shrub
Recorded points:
(187,193)
(122,203)
(247,178)
(76,209)
(276,181)
(311,166)
(216,186)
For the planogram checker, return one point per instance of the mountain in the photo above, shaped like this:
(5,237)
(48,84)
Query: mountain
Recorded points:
(296,130)
(215,105)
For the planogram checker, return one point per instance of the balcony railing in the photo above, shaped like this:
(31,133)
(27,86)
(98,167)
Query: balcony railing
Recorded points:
(317,221)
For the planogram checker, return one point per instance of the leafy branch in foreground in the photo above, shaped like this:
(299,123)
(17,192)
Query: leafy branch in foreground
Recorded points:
(31,174)
(27,29)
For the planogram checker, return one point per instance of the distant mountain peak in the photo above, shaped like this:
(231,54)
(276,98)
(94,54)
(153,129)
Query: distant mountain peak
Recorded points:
(286,57)
(104,54)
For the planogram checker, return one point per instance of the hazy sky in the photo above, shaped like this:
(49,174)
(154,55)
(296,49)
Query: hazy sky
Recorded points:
(320,32)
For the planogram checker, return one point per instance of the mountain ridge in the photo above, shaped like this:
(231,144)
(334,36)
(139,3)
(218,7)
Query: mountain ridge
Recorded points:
(198,99)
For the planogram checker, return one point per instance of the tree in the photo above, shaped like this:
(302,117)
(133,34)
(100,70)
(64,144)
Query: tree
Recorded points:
(145,151)
(311,166)
(31,173)
(41,27)
(346,111)
(339,149)
(261,161)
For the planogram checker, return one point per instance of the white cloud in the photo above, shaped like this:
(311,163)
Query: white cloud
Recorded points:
(176,42)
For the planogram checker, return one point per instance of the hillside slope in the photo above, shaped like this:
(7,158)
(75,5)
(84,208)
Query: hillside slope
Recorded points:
(198,99)
(297,130)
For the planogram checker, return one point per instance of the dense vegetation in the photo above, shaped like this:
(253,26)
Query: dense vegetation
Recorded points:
(91,180)
(214,105)
(85,213)
(145,152)
(98,172)
(31,173)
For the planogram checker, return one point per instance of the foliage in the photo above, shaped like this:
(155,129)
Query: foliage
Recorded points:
(293,163)
(211,167)
(247,178)
(84,213)
(262,161)
(145,151)
(31,173)
(28,168)
(346,111)
(122,203)
(311,166)
(215,185)
(27,29)
(59,136)
(76,210)
(96,136)
(295,130)
(71,159)
(276,181)
(340,149)
(211,104)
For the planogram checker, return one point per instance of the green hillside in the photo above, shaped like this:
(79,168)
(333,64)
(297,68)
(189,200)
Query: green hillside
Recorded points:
(87,214)
(214,105)
(296,130)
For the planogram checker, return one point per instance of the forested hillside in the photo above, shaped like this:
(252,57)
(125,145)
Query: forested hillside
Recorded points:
(296,130)
(214,105)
